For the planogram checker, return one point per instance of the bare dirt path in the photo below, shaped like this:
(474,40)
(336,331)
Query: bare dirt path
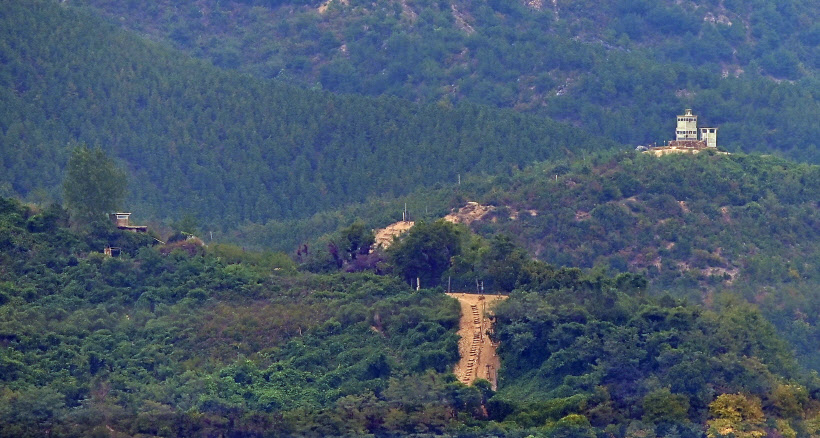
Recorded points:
(478,354)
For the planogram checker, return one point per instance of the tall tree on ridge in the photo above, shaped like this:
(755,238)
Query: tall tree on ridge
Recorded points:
(93,185)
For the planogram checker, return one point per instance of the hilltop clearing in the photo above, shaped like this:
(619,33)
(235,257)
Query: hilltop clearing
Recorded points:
(384,236)
(468,214)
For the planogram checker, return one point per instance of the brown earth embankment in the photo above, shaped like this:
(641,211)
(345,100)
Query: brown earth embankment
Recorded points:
(479,359)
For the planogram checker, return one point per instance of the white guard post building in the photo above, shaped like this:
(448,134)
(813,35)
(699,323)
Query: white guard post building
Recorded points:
(688,138)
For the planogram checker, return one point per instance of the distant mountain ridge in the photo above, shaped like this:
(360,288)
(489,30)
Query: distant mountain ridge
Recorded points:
(228,148)
(616,68)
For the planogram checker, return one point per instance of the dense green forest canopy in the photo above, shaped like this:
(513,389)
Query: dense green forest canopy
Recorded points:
(180,339)
(223,147)
(618,68)
(588,358)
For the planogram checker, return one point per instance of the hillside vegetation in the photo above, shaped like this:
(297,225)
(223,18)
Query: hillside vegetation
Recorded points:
(180,341)
(686,220)
(664,215)
(697,227)
(670,296)
(185,340)
(590,361)
(619,69)
(223,147)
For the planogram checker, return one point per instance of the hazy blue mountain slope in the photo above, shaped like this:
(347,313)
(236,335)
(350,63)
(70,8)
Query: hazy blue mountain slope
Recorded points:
(225,147)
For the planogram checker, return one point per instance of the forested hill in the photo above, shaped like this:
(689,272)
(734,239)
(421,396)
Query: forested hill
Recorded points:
(698,227)
(687,220)
(616,68)
(691,222)
(181,340)
(697,215)
(224,147)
